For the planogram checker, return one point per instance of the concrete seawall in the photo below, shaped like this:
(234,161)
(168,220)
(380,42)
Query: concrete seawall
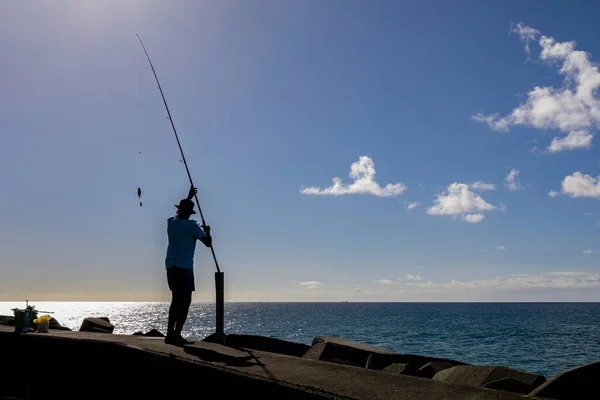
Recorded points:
(87,365)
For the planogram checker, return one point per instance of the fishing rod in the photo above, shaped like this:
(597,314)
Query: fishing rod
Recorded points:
(178,144)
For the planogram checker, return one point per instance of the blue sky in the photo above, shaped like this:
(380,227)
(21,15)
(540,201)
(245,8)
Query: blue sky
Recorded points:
(272,100)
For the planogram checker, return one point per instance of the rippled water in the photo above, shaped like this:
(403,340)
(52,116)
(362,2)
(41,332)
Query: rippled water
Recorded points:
(544,338)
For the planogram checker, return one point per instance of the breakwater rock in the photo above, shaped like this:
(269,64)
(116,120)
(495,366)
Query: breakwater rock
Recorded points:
(99,325)
(328,368)
(577,383)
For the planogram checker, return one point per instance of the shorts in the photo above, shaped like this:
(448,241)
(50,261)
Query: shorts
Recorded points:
(181,279)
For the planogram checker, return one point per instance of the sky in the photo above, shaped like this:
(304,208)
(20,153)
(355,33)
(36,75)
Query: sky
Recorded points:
(342,150)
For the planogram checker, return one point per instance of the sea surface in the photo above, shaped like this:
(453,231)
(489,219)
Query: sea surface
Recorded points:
(544,338)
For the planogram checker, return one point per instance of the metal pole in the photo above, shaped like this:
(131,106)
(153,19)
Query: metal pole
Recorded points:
(178,144)
(220,303)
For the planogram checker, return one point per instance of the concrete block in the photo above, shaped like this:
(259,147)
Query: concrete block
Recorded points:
(479,375)
(100,325)
(263,343)
(576,383)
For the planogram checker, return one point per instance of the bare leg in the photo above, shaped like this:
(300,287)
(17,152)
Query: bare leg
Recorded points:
(172,315)
(183,305)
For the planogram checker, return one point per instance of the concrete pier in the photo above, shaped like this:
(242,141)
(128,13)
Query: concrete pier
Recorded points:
(84,365)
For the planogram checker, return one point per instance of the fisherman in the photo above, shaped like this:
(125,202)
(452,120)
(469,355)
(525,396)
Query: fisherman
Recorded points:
(182,233)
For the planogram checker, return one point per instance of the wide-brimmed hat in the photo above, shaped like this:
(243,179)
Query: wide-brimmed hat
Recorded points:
(186,205)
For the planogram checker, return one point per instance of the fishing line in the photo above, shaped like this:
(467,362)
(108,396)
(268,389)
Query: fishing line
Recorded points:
(138,159)
(137,94)
(139,188)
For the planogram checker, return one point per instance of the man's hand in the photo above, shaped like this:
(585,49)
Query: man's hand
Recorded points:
(206,239)
(192,193)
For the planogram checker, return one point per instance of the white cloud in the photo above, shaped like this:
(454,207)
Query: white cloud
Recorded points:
(540,286)
(552,280)
(363,173)
(459,201)
(412,205)
(580,185)
(511,181)
(529,281)
(312,284)
(494,121)
(552,193)
(479,185)
(474,218)
(408,278)
(573,106)
(500,248)
(527,35)
(574,140)
(587,252)
(568,273)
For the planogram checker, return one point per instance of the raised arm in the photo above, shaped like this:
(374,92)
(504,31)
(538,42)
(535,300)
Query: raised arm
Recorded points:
(204,235)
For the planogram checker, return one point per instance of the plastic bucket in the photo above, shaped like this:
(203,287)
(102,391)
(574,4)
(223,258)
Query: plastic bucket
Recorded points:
(42,327)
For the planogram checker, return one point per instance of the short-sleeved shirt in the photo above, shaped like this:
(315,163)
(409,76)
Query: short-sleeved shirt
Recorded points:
(183,234)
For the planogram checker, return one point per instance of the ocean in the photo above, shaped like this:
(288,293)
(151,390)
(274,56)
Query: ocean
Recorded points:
(544,338)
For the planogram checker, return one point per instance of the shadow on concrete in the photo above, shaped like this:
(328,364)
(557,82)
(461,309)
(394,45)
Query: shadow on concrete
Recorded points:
(231,356)
(259,363)
(212,356)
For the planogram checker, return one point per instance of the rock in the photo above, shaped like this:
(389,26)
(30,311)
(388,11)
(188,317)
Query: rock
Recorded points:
(154,333)
(508,385)
(332,348)
(6,316)
(400,369)
(214,338)
(332,353)
(8,321)
(479,375)
(380,361)
(352,344)
(100,325)
(54,324)
(138,333)
(431,368)
(315,352)
(576,383)
(268,344)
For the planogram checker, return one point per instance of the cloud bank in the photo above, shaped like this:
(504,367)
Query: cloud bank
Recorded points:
(549,280)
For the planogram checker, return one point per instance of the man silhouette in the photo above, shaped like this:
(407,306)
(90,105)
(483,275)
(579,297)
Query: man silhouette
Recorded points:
(179,262)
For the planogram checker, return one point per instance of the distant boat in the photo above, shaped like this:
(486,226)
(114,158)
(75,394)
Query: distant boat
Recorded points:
(344,301)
